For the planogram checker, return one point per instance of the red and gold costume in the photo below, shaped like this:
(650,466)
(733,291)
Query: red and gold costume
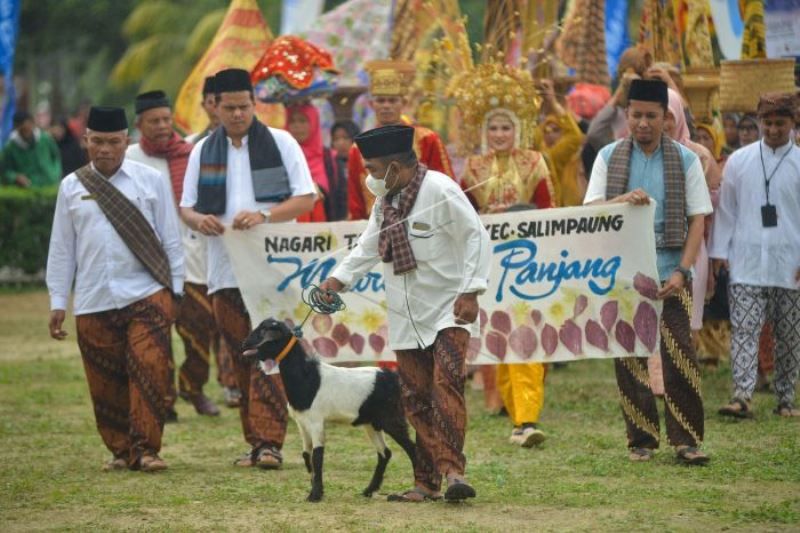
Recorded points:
(430,151)
(495,181)
(392,78)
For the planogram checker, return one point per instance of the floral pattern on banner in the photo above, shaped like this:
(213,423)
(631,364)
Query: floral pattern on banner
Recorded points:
(566,284)
(355,32)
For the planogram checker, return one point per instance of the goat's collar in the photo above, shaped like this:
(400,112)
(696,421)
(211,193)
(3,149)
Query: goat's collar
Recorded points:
(286,349)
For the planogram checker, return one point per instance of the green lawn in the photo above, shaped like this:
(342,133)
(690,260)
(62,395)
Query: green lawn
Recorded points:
(579,480)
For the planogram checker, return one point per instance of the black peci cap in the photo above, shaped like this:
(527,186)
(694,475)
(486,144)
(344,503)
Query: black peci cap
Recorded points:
(385,141)
(649,91)
(232,80)
(150,100)
(107,119)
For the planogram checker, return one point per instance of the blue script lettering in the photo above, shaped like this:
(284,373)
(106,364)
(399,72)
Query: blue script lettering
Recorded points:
(520,262)
(315,272)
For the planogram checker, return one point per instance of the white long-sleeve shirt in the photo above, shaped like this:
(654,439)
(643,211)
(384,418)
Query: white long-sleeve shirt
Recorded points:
(194,243)
(452,250)
(240,195)
(764,257)
(85,247)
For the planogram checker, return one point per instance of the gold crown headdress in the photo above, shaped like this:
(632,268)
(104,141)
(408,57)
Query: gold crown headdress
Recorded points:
(390,78)
(497,87)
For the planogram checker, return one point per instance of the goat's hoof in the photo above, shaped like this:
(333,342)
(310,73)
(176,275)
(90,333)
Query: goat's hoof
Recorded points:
(368,492)
(314,496)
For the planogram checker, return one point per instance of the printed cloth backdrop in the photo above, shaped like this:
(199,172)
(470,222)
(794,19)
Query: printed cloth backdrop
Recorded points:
(565,284)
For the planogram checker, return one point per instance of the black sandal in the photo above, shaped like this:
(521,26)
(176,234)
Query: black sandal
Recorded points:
(415,495)
(458,490)
(692,456)
(743,410)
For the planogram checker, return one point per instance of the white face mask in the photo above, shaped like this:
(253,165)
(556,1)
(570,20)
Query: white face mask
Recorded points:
(376,186)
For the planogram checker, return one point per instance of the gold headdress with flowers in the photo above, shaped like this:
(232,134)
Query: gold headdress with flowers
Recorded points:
(492,88)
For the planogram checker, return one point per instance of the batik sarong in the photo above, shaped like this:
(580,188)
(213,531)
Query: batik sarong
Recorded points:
(262,409)
(126,354)
(432,383)
(683,402)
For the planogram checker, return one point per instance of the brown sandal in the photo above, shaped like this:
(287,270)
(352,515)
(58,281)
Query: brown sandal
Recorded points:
(269,458)
(692,456)
(640,455)
(415,495)
(737,408)
(786,410)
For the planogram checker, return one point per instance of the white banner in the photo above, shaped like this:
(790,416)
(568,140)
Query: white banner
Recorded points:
(782,19)
(565,284)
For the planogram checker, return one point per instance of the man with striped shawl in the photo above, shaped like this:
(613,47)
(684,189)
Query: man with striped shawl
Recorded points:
(644,165)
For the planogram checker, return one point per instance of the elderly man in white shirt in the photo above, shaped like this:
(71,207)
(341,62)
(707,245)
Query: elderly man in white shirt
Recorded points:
(757,237)
(162,148)
(116,235)
(241,175)
(436,254)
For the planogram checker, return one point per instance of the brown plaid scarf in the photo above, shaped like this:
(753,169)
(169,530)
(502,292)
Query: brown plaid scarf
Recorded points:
(138,235)
(675,224)
(393,243)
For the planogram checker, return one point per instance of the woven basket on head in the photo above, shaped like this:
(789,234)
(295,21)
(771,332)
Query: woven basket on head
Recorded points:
(701,85)
(742,82)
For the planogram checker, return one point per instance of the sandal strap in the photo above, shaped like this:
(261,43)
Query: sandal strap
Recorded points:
(268,450)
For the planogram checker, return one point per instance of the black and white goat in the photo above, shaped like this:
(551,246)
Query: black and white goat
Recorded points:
(317,392)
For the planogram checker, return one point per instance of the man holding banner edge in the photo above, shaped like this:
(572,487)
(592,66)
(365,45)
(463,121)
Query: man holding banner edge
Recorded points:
(647,165)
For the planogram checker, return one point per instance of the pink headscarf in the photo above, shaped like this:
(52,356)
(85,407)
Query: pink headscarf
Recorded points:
(675,105)
(312,147)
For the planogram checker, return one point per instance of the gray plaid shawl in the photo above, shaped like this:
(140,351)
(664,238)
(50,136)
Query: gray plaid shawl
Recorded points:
(137,234)
(675,223)
(393,244)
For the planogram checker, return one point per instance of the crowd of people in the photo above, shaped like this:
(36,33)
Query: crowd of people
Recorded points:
(136,232)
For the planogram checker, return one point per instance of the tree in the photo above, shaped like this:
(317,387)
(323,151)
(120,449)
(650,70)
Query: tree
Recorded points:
(167,37)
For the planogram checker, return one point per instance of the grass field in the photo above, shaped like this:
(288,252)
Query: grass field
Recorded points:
(579,480)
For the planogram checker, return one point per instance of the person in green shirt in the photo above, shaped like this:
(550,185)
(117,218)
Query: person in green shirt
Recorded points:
(31,157)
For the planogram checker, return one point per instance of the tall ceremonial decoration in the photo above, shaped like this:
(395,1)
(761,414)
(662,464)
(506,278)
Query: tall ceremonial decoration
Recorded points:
(239,43)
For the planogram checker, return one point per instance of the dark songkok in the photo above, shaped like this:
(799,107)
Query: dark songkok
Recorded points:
(649,91)
(385,141)
(150,100)
(778,103)
(232,80)
(107,119)
(209,86)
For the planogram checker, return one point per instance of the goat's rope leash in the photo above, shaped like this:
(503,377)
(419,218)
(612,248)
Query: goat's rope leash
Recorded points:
(314,298)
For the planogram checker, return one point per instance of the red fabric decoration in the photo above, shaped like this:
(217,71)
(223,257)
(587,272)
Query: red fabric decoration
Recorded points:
(294,60)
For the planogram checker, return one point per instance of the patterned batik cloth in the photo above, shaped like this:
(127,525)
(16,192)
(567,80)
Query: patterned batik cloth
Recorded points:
(263,406)
(196,327)
(682,398)
(432,381)
(751,306)
(126,354)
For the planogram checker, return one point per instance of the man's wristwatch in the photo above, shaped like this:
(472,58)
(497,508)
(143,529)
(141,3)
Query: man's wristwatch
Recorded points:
(687,273)
(267,215)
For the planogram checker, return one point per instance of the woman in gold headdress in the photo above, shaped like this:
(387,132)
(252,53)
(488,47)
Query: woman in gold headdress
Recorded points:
(499,105)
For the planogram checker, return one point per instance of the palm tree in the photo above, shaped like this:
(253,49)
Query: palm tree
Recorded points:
(167,37)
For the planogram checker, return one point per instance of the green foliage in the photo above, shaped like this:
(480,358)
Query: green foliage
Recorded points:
(26,216)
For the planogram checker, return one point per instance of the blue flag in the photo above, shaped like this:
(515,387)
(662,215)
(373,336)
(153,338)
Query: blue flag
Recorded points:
(617,37)
(9,27)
